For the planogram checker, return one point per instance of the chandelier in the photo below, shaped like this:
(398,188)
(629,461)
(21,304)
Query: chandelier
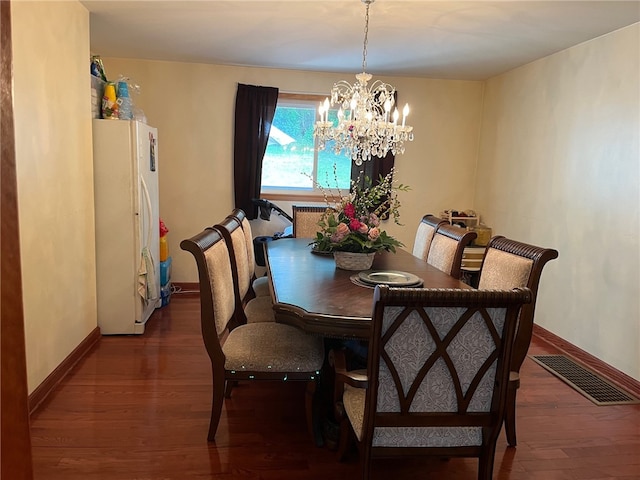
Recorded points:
(366,126)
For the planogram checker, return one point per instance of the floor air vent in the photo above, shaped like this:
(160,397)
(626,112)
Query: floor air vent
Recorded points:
(585,381)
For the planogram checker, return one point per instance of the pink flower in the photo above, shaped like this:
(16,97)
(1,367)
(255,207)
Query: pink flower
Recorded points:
(350,210)
(363,228)
(354,224)
(342,230)
(374,220)
(374,233)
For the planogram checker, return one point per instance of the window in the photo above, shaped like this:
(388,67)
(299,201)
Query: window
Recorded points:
(292,163)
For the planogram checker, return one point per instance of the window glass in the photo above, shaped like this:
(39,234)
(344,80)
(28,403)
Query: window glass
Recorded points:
(292,162)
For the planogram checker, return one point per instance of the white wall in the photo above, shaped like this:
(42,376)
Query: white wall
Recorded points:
(55,179)
(192,105)
(559,166)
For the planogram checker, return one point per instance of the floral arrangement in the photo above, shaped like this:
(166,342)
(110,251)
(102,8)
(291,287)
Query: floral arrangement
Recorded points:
(351,223)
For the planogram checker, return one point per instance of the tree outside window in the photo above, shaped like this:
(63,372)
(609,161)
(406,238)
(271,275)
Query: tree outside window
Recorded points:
(292,162)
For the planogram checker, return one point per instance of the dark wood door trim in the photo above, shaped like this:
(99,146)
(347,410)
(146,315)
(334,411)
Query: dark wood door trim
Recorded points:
(15,441)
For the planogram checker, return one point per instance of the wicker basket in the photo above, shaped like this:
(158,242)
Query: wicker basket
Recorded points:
(353,261)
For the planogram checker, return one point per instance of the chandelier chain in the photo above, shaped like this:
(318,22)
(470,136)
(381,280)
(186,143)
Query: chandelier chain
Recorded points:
(366,37)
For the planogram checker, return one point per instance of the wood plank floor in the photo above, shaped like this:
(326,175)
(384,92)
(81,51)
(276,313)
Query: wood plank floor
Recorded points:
(137,408)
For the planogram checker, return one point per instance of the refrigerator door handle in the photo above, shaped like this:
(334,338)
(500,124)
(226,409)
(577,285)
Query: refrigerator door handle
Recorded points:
(149,214)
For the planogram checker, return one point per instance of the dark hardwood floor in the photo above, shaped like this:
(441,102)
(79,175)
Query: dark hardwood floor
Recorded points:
(137,408)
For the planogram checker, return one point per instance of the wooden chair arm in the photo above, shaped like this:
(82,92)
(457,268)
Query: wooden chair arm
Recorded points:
(354,378)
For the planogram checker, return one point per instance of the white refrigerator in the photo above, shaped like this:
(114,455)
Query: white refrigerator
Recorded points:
(125,169)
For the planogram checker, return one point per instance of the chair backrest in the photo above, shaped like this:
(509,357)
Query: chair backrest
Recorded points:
(217,292)
(438,367)
(447,248)
(509,264)
(248,237)
(305,220)
(241,268)
(424,235)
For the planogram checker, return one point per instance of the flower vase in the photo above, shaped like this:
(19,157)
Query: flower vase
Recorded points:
(353,260)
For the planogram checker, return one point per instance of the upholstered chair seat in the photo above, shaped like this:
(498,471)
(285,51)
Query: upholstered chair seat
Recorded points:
(353,400)
(259,310)
(250,347)
(261,287)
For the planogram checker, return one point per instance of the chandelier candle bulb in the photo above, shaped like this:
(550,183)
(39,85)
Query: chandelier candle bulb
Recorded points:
(405,112)
(387,109)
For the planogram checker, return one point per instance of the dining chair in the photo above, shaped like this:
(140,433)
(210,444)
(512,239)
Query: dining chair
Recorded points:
(436,378)
(447,247)
(253,351)
(254,309)
(259,285)
(508,264)
(305,220)
(424,235)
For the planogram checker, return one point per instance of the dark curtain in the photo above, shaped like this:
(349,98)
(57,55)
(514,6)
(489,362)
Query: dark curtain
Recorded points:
(255,108)
(373,168)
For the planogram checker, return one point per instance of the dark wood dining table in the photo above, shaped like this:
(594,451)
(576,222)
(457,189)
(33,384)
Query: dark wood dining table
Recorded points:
(309,292)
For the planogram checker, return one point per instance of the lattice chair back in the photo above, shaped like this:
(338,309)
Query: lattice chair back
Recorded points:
(437,373)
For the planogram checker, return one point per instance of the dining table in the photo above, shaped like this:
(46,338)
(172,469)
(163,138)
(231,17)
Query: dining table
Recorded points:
(311,293)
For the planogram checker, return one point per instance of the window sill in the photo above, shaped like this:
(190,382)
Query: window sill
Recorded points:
(292,197)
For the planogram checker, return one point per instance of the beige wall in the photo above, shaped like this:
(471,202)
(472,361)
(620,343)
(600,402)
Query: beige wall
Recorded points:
(192,105)
(55,179)
(574,114)
(559,166)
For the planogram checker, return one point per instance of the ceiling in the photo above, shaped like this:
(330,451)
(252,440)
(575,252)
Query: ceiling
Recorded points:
(471,40)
